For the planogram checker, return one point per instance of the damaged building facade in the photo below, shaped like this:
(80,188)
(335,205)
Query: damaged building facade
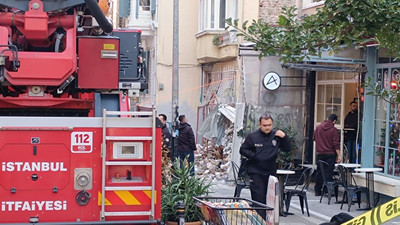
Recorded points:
(220,73)
(234,75)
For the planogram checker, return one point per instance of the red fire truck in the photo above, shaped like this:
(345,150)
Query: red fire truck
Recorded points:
(71,151)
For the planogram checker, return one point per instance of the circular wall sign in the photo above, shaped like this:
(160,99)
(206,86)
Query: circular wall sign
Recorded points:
(271,81)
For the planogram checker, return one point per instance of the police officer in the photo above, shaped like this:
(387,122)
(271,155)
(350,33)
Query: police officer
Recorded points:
(167,137)
(261,148)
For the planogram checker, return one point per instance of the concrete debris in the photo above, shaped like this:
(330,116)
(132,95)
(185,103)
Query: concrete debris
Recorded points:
(213,161)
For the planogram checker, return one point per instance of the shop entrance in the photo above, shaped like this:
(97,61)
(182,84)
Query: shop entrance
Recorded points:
(334,93)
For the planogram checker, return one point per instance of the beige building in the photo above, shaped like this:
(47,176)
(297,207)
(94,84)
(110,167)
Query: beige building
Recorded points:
(208,54)
(211,69)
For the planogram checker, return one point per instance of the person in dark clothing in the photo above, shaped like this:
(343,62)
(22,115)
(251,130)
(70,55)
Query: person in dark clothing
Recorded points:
(186,141)
(167,137)
(327,144)
(351,127)
(261,147)
(339,219)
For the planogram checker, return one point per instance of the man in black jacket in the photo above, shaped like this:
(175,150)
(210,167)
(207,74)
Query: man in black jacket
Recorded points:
(351,127)
(261,147)
(167,137)
(186,141)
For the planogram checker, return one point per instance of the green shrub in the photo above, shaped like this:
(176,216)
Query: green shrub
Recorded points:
(183,187)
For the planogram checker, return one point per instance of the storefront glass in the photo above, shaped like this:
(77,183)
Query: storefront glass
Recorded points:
(387,124)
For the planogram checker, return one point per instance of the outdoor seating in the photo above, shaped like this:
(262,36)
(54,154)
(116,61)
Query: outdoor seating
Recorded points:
(287,167)
(300,190)
(329,186)
(351,188)
(241,180)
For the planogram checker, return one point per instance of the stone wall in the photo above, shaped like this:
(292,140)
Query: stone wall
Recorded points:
(269,10)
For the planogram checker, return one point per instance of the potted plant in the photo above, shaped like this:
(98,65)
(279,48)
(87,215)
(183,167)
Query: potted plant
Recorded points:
(183,187)
(217,39)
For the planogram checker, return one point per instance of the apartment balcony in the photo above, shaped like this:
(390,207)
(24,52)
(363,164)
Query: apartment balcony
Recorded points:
(216,46)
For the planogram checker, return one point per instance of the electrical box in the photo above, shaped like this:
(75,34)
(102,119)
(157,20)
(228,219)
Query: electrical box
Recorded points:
(98,62)
(132,63)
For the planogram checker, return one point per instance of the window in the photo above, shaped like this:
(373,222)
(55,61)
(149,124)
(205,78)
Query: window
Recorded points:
(213,13)
(387,124)
(312,3)
(219,84)
(144,5)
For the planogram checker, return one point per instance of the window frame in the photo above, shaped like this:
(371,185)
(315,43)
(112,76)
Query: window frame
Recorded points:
(145,8)
(312,3)
(209,21)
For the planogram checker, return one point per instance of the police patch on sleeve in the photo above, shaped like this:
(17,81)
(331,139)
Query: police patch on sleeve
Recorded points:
(274,142)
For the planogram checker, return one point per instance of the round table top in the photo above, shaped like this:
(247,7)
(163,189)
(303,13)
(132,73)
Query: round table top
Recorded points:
(280,172)
(349,165)
(368,169)
(309,165)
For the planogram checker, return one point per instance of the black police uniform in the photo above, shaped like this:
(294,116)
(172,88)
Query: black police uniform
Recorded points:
(262,151)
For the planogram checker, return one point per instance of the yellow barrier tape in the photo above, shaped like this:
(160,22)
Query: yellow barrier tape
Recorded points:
(378,215)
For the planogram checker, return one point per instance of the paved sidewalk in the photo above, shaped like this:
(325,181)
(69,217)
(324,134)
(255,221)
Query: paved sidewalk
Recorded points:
(319,212)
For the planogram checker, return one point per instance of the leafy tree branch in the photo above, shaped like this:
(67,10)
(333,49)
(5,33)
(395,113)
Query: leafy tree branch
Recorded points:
(338,24)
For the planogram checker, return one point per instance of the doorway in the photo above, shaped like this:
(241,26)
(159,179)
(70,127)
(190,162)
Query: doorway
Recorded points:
(334,93)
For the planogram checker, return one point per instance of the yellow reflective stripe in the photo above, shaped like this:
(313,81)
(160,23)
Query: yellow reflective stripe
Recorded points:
(99,199)
(127,197)
(148,193)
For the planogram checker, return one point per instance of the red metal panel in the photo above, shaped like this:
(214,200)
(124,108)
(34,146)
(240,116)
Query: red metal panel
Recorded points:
(53,144)
(47,101)
(45,68)
(36,22)
(98,62)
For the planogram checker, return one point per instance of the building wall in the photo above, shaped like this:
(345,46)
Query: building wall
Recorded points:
(286,104)
(271,9)
(189,70)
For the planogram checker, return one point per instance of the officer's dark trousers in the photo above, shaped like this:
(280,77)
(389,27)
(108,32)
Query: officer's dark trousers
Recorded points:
(258,189)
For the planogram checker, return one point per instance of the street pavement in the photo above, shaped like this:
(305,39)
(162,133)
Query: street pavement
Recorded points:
(319,212)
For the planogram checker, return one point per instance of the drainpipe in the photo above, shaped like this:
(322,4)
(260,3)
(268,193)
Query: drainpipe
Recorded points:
(175,71)
(155,40)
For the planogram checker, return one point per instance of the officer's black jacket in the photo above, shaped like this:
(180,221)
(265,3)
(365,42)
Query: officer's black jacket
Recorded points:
(167,137)
(262,150)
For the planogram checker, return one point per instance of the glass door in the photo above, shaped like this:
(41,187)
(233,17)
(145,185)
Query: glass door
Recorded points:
(334,93)
(329,101)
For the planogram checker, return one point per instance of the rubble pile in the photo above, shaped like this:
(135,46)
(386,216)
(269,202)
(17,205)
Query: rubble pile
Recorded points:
(213,161)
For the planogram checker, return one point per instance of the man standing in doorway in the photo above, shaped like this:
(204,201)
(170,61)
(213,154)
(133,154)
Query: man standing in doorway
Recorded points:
(351,127)
(327,144)
(186,141)
(261,148)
